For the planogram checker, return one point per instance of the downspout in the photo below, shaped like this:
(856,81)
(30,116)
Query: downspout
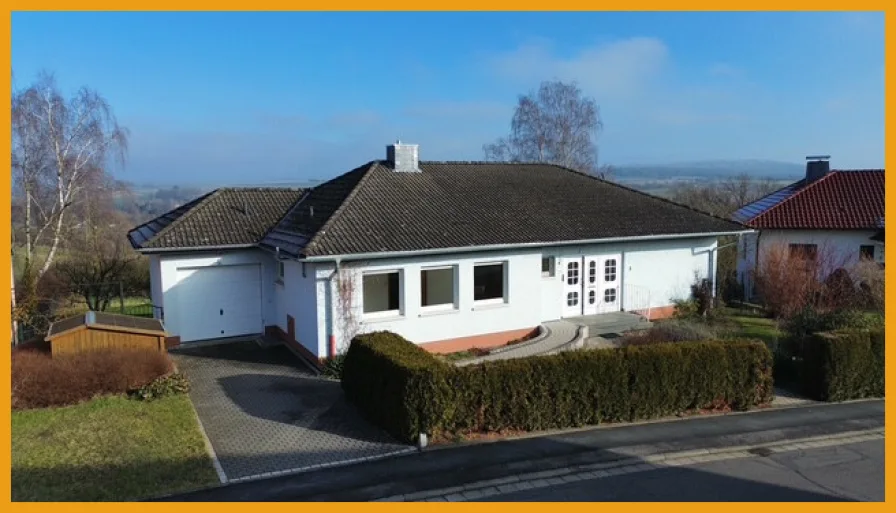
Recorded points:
(333,306)
(752,292)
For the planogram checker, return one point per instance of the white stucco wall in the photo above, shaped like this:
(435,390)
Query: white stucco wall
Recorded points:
(836,248)
(170,284)
(660,270)
(297,296)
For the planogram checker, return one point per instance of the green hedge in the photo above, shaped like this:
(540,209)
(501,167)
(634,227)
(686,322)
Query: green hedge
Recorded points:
(843,365)
(404,389)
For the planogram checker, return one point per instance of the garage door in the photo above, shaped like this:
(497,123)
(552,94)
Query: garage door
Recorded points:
(220,301)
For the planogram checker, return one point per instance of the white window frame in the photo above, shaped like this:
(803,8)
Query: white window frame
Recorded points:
(505,296)
(281,271)
(385,314)
(455,285)
(553,268)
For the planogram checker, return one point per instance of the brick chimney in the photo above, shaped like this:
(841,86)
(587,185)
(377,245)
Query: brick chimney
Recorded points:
(403,157)
(817,166)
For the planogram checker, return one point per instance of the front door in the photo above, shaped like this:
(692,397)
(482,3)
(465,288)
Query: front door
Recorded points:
(591,285)
(608,290)
(572,287)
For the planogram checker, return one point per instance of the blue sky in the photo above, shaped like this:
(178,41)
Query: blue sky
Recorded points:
(239,98)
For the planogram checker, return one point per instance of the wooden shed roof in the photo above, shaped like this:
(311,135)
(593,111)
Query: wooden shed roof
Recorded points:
(106,321)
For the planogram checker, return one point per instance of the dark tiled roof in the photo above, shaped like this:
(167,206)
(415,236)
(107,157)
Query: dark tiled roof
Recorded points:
(223,217)
(462,204)
(841,200)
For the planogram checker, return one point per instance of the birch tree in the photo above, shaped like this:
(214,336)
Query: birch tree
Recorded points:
(556,124)
(60,146)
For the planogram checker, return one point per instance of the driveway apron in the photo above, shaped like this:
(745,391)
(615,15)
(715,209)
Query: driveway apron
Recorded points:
(265,413)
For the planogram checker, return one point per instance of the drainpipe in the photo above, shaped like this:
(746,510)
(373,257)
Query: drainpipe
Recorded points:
(333,307)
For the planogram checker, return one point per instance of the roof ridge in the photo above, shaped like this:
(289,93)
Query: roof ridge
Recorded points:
(642,193)
(365,169)
(799,191)
(190,206)
(260,188)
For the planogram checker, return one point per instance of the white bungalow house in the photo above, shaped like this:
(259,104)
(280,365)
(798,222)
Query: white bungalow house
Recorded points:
(450,255)
(835,215)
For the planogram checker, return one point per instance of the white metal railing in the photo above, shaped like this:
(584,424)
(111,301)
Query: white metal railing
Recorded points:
(636,299)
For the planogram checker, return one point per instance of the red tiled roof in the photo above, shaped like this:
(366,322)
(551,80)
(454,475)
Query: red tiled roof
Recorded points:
(841,200)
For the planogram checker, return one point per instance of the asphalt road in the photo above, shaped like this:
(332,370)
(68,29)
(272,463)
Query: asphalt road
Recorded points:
(840,473)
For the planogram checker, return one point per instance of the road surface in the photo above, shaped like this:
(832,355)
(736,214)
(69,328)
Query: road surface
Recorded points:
(853,472)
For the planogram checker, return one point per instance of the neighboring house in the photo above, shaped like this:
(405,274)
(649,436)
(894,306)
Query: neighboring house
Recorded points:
(448,254)
(834,215)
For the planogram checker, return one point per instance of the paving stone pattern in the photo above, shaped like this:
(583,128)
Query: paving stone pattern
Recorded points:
(265,413)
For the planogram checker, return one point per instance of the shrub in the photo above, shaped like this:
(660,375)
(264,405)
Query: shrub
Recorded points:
(40,381)
(675,330)
(843,365)
(407,391)
(164,386)
(332,366)
(685,308)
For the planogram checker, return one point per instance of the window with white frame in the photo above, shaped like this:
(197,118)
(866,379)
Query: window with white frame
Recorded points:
(489,282)
(437,287)
(547,266)
(381,292)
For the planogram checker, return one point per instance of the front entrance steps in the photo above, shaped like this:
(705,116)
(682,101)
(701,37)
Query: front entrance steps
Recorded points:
(588,331)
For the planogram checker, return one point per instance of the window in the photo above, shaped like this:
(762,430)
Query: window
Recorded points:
(592,271)
(381,292)
(610,270)
(280,270)
(488,282)
(437,287)
(591,297)
(866,252)
(547,267)
(572,273)
(610,296)
(804,251)
(572,299)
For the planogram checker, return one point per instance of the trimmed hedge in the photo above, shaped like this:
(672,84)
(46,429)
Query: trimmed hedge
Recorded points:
(843,365)
(406,390)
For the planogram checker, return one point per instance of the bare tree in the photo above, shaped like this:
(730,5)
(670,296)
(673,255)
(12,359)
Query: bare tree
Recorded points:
(555,124)
(59,147)
(100,265)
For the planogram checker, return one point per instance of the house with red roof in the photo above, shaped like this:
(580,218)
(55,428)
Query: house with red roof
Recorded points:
(837,215)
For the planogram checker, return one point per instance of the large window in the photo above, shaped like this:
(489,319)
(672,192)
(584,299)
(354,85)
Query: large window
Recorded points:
(807,252)
(488,282)
(382,292)
(437,287)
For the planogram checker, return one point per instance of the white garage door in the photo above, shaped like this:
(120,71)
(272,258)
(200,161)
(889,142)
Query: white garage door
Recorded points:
(220,301)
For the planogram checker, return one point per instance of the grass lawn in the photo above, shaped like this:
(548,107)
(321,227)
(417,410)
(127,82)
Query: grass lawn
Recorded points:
(747,324)
(108,449)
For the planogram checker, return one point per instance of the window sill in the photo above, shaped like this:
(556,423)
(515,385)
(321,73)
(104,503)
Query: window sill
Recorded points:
(279,282)
(385,318)
(546,277)
(490,306)
(431,313)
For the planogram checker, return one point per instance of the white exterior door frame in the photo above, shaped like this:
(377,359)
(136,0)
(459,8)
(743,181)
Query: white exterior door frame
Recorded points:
(591,284)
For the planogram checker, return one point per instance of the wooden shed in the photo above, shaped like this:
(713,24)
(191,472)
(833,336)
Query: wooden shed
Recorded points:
(101,330)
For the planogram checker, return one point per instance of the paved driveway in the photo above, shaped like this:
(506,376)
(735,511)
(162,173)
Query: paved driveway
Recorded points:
(265,413)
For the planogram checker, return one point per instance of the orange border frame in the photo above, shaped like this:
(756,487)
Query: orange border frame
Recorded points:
(414,5)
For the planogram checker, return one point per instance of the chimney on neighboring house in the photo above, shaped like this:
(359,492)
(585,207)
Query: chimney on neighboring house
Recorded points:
(403,157)
(816,167)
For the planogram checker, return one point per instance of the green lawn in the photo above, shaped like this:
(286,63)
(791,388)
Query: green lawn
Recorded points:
(748,325)
(108,449)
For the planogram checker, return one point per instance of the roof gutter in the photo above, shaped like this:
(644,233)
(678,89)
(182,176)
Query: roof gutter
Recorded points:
(147,251)
(496,247)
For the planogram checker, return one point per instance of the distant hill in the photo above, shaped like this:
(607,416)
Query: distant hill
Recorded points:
(711,169)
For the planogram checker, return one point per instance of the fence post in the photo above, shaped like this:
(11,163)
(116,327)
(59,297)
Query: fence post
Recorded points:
(121,295)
